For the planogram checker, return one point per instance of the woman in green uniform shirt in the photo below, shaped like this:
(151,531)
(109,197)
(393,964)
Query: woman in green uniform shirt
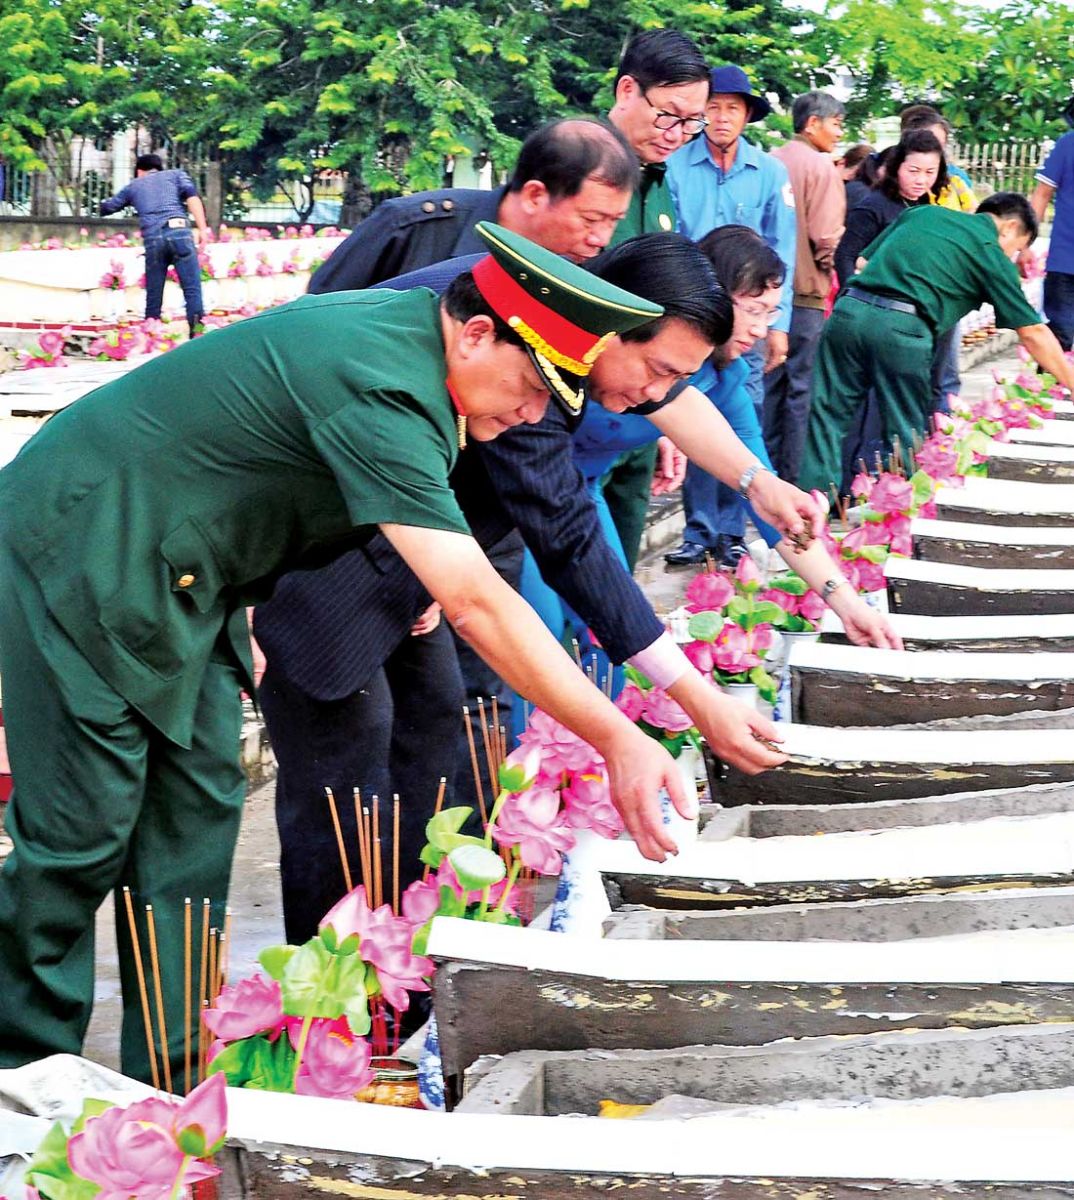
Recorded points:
(137,525)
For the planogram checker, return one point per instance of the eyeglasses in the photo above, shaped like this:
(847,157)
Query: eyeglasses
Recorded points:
(757,311)
(666,120)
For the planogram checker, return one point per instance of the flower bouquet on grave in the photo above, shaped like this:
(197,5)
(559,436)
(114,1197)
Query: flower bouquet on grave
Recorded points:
(114,279)
(801,608)
(153,1149)
(304,1028)
(49,350)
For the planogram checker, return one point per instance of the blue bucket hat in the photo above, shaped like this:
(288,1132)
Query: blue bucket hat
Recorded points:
(735,80)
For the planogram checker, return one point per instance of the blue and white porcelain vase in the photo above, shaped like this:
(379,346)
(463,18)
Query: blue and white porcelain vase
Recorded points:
(431,1070)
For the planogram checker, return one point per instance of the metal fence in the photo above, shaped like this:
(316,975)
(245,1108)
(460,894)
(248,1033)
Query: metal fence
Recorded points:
(1002,166)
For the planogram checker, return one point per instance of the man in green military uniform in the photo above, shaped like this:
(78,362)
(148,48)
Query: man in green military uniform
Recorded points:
(923,274)
(661,90)
(137,525)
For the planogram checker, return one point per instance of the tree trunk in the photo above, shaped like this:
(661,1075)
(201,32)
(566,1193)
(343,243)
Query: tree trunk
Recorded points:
(357,201)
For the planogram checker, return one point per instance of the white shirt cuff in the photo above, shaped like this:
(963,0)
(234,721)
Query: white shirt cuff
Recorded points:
(662,661)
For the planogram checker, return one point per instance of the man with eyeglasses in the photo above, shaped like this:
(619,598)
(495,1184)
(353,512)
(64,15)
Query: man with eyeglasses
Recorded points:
(718,180)
(660,93)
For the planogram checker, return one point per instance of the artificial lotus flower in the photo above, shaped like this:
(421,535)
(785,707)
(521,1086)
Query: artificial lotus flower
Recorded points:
(561,749)
(143,1149)
(384,942)
(811,607)
(709,592)
(631,701)
(747,577)
(251,1006)
(861,486)
(335,1063)
(534,823)
(700,654)
(588,804)
(662,712)
(892,494)
(733,651)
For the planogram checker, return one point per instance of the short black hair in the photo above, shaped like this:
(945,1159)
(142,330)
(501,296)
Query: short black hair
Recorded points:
(661,57)
(149,162)
(564,154)
(743,261)
(1012,206)
(923,116)
(669,270)
(814,104)
(462,300)
(913,141)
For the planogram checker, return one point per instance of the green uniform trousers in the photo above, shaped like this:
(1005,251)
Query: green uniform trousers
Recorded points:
(103,800)
(628,490)
(866,348)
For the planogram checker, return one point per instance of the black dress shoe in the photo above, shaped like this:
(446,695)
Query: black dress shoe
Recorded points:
(689,554)
(731,550)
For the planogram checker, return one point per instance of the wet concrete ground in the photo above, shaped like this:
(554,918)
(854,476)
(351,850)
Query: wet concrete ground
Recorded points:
(255,902)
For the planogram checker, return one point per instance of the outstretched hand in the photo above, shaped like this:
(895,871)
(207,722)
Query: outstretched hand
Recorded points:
(638,769)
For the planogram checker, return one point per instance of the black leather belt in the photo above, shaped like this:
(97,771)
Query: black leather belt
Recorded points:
(882,301)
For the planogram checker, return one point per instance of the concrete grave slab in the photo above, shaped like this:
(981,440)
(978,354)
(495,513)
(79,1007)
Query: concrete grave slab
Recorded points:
(1031,463)
(1003,502)
(991,634)
(942,589)
(500,989)
(908,1065)
(1050,433)
(966,543)
(860,685)
(844,766)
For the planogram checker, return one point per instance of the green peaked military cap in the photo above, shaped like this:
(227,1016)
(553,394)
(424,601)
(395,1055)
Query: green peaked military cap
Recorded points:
(564,315)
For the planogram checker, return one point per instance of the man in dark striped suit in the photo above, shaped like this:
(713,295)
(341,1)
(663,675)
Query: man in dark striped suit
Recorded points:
(325,633)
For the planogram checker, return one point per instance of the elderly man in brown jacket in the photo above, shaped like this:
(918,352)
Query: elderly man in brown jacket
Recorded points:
(820,203)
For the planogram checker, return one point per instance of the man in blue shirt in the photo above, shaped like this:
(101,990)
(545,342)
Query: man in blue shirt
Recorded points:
(722,179)
(165,201)
(1056,179)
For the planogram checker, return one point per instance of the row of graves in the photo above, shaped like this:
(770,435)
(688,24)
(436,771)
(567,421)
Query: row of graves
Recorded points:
(855,979)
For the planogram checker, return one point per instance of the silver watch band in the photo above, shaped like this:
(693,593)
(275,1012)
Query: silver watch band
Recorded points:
(748,476)
(832,585)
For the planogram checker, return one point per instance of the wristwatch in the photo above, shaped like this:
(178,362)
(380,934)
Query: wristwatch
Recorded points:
(832,585)
(748,476)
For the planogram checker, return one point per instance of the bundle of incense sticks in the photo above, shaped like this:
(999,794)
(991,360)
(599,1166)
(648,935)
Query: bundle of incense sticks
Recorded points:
(202,983)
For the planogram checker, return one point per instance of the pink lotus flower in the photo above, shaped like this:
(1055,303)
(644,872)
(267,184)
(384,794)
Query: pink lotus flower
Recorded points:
(662,712)
(561,750)
(1031,383)
(938,458)
(871,576)
(862,486)
(335,1062)
(631,702)
(700,654)
(709,592)
(762,638)
(588,805)
(732,651)
(811,607)
(134,1151)
(420,901)
(899,531)
(250,1006)
(868,533)
(892,494)
(746,573)
(54,340)
(385,942)
(532,821)
(785,600)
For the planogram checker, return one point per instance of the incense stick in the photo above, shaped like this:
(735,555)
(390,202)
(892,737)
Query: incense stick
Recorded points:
(363,845)
(395,853)
(441,789)
(142,992)
(203,985)
(378,864)
(488,746)
(187,984)
(158,993)
(343,862)
(478,786)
